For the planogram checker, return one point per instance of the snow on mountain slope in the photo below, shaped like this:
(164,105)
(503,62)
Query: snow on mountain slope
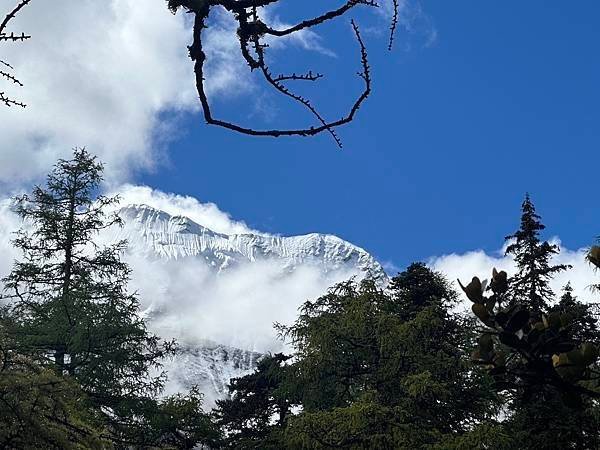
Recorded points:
(154,232)
(210,366)
(220,294)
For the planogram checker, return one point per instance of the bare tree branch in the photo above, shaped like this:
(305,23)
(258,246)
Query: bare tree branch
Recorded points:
(12,37)
(394,25)
(251,34)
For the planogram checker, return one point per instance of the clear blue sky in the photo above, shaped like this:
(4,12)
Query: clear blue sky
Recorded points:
(506,100)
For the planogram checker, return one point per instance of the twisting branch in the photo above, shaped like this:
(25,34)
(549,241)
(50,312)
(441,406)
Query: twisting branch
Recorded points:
(394,25)
(251,34)
(12,37)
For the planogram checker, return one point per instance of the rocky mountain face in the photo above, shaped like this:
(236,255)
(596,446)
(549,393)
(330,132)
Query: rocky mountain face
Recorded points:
(155,236)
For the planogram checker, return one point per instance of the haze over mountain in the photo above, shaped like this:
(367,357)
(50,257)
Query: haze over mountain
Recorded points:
(218,286)
(219,294)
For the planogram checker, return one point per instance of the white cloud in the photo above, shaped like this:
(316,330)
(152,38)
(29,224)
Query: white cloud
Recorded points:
(96,74)
(466,265)
(99,75)
(206,214)
(9,223)
(237,307)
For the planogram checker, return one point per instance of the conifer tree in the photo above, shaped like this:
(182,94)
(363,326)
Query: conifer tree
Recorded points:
(372,369)
(38,408)
(530,285)
(545,364)
(259,407)
(73,313)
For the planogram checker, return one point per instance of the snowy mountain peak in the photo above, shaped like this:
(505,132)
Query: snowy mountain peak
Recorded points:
(144,217)
(221,293)
(153,232)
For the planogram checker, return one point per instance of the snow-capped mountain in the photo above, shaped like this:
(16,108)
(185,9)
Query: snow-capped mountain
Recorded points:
(156,233)
(220,294)
(211,366)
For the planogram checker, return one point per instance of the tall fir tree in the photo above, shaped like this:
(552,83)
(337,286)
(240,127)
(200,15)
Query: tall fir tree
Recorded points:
(530,285)
(72,311)
(373,369)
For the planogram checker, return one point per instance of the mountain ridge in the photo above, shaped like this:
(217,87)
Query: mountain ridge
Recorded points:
(159,240)
(155,232)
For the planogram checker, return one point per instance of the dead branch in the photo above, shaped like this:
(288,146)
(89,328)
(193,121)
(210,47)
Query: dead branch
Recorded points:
(12,37)
(252,34)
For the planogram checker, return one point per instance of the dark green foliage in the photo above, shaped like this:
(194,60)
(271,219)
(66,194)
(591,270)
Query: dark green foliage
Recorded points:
(259,406)
(583,317)
(530,285)
(73,315)
(418,287)
(593,257)
(544,359)
(174,422)
(39,409)
(372,369)
(526,353)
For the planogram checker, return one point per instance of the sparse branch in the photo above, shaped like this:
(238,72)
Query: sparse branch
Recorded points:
(10,16)
(12,37)
(251,34)
(394,24)
(303,77)
(10,102)
(310,23)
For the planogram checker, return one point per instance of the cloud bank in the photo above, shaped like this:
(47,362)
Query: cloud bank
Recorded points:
(466,265)
(187,299)
(96,74)
(237,307)
(206,214)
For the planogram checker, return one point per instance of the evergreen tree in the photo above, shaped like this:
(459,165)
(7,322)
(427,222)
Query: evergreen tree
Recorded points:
(545,421)
(547,366)
(582,317)
(39,409)
(530,285)
(374,369)
(419,287)
(72,311)
(387,369)
(259,407)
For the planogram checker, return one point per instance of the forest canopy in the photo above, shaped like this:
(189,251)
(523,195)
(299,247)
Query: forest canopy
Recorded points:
(370,366)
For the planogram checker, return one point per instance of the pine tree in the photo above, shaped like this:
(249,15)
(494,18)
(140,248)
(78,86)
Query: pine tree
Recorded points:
(530,285)
(545,365)
(419,287)
(72,311)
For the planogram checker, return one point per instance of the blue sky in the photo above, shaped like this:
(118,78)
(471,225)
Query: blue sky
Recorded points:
(504,101)
(479,103)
